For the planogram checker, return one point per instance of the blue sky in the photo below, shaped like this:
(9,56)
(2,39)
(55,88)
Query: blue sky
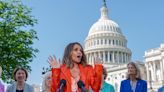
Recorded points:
(63,21)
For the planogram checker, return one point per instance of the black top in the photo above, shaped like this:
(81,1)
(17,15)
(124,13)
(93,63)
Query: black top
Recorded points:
(19,90)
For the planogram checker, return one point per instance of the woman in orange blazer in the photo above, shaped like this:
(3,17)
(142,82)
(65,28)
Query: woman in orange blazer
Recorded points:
(74,67)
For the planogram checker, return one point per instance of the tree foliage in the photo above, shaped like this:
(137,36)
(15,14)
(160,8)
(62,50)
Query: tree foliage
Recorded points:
(16,37)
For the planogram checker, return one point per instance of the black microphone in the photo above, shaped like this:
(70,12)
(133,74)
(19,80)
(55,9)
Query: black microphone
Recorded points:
(82,86)
(62,84)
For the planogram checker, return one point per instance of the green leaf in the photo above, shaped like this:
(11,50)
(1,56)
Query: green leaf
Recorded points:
(16,37)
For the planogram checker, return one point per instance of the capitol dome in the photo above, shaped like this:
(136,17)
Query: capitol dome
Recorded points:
(104,25)
(106,41)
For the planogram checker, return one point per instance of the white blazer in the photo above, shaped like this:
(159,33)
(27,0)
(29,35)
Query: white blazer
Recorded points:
(12,88)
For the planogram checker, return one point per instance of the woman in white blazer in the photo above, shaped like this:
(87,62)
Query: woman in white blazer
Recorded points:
(20,85)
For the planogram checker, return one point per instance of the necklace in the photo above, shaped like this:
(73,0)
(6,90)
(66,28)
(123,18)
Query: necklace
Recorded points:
(75,72)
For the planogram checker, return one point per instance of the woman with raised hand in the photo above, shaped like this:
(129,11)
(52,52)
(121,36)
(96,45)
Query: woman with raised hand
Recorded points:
(74,68)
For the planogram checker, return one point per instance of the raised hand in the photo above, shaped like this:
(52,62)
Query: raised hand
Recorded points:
(97,61)
(53,62)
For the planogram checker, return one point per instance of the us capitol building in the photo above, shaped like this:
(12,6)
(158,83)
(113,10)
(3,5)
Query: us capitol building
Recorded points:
(105,40)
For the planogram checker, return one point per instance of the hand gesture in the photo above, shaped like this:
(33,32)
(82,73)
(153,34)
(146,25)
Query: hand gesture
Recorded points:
(53,62)
(97,61)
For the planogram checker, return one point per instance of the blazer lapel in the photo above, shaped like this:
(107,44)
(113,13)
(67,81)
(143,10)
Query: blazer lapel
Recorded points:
(83,73)
(130,87)
(67,74)
(14,87)
(25,88)
(138,86)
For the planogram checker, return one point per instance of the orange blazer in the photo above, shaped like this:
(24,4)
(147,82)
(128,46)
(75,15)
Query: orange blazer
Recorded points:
(91,77)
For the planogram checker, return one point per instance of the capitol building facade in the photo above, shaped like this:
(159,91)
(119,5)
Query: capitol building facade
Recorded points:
(154,63)
(106,41)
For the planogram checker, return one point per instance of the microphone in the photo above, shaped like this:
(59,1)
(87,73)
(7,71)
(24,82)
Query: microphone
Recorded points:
(62,84)
(82,86)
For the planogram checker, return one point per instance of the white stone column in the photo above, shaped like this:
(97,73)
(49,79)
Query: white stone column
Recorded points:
(163,65)
(104,57)
(161,70)
(89,58)
(125,57)
(108,56)
(117,57)
(92,58)
(148,76)
(115,53)
(97,54)
(147,71)
(115,60)
(129,59)
(94,55)
(113,57)
(154,69)
(121,57)
(101,55)
(103,41)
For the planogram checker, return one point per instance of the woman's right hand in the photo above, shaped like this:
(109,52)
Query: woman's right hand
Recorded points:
(97,61)
(53,62)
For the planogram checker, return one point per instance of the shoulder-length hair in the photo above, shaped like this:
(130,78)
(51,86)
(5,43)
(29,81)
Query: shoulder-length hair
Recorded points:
(138,76)
(16,70)
(44,85)
(67,59)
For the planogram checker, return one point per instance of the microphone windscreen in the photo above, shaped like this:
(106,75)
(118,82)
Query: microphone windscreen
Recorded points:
(63,81)
(80,84)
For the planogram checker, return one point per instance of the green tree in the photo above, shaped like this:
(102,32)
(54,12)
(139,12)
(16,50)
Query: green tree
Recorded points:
(16,37)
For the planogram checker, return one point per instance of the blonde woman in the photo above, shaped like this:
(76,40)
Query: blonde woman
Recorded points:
(46,84)
(133,83)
